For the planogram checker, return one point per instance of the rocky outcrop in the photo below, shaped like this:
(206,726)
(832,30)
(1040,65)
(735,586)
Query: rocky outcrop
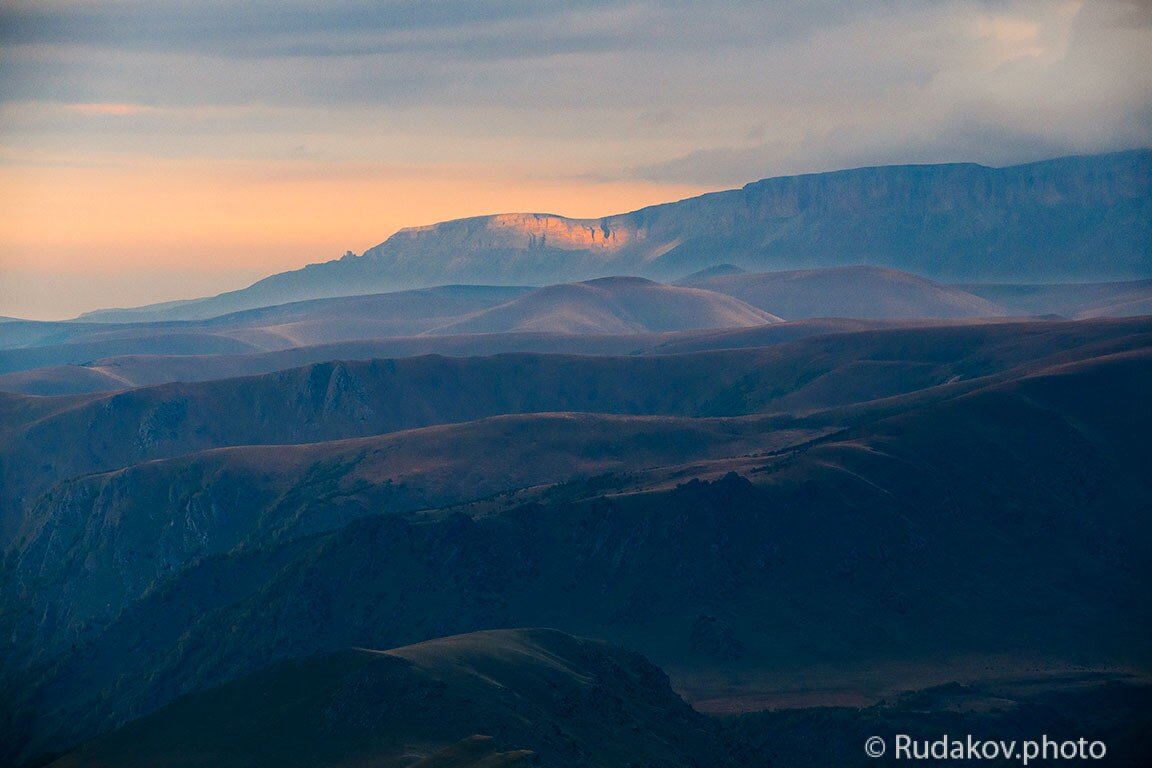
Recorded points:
(531,231)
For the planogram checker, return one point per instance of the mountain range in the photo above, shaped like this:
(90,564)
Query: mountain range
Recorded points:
(1073,219)
(740,480)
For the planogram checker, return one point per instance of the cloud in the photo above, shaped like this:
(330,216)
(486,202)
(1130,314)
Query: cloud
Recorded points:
(995,83)
(444,31)
(386,54)
(504,28)
(695,92)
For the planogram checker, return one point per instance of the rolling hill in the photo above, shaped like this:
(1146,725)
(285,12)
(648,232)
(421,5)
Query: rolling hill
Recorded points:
(26,345)
(612,305)
(862,292)
(619,306)
(601,317)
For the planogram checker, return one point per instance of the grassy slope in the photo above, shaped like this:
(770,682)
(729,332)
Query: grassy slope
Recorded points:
(140,525)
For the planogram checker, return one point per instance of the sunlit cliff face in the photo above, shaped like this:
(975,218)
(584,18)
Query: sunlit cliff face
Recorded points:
(531,230)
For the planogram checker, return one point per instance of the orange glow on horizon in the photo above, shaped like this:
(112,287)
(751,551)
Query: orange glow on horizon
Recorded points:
(111,218)
(112,109)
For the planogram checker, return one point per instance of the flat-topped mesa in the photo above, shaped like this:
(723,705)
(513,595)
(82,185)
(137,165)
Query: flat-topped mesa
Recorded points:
(1072,219)
(525,231)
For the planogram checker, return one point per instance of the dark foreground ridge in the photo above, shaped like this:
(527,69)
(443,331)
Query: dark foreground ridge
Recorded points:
(502,698)
(537,697)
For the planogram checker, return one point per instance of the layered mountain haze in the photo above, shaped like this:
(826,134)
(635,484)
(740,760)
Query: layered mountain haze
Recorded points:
(619,315)
(607,306)
(1071,219)
(872,456)
(285,326)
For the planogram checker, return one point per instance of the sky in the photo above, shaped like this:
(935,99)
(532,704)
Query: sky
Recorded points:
(152,150)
